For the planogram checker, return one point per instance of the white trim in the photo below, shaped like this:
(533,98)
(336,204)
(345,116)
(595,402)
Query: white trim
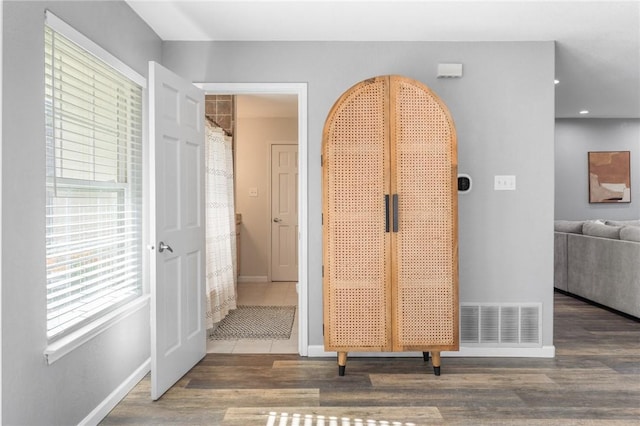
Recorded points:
(299,89)
(303,221)
(66,344)
(252,279)
(475,351)
(465,351)
(58,25)
(1,144)
(254,88)
(147,220)
(110,402)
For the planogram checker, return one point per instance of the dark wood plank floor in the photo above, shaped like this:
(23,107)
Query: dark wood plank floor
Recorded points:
(594,380)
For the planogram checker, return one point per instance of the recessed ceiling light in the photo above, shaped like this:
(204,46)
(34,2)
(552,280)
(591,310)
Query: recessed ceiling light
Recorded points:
(584,111)
(556,81)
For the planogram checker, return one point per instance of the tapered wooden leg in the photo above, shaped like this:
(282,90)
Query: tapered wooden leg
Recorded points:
(425,356)
(342,363)
(436,362)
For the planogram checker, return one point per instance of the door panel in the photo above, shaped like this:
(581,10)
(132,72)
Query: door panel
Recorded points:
(357,261)
(194,270)
(167,156)
(193,177)
(171,333)
(178,332)
(424,175)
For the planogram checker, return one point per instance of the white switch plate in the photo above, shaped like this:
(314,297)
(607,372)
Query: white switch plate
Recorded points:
(504,183)
(253,192)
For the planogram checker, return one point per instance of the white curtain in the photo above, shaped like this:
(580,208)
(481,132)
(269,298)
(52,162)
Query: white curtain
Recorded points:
(220,226)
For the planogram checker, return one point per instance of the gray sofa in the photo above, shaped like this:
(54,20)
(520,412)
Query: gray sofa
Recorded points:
(600,261)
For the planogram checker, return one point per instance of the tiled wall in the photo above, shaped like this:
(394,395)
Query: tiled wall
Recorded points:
(220,108)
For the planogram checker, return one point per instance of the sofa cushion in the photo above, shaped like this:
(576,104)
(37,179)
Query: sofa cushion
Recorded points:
(623,222)
(630,233)
(569,226)
(560,260)
(605,271)
(595,229)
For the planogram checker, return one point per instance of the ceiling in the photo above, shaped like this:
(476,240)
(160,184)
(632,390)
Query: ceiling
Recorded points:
(597,43)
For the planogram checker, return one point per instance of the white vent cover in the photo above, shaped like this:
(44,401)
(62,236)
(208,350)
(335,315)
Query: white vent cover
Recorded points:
(501,324)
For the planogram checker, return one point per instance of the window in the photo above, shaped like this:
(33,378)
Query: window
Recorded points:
(93,185)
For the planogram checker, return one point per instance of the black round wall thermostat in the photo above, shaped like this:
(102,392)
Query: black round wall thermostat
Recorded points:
(464,183)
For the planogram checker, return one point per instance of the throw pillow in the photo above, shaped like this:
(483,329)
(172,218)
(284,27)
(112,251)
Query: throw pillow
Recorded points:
(570,226)
(623,222)
(630,233)
(599,230)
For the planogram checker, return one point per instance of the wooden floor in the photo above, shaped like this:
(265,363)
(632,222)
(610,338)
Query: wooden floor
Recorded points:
(594,380)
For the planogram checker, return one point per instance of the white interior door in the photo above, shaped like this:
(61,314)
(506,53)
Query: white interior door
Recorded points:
(284,212)
(178,332)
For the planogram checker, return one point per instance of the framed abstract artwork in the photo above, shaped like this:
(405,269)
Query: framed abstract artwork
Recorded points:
(609,177)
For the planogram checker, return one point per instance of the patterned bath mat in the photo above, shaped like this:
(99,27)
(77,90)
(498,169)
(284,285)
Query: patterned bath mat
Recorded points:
(256,322)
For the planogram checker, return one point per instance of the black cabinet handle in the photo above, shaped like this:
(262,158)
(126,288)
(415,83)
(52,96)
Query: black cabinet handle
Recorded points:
(386,212)
(395,212)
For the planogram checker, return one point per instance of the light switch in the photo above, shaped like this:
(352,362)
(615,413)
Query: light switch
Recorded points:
(253,192)
(504,183)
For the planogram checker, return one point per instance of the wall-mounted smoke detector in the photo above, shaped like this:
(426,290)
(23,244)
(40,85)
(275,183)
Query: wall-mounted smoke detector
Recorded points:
(449,70)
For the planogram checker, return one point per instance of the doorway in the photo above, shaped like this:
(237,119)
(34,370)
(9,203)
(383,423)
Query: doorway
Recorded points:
(266,285)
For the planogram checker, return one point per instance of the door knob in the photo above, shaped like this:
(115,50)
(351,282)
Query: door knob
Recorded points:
(277,219)
(162,246)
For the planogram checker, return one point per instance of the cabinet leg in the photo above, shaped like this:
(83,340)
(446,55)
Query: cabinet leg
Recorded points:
(425,356)
(342,363)
(436,363)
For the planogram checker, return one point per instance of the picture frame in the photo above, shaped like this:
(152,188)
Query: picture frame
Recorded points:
(609,176)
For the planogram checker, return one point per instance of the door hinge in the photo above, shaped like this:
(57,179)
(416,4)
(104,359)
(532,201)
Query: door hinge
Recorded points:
(323,329)
(322,219)
(322,271)
(321,161)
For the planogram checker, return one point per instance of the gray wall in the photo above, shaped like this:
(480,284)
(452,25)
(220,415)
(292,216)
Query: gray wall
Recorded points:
(67,391)
(504,114)
(575,137)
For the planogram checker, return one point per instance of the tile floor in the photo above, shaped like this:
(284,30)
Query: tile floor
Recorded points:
(262,294)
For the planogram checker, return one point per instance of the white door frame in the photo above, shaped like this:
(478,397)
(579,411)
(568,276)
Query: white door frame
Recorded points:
(299,89)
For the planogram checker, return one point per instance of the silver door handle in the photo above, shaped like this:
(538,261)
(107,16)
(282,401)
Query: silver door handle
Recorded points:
(277,219)
(162,246)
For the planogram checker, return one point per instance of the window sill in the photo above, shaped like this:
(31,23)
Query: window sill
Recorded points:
(65,345)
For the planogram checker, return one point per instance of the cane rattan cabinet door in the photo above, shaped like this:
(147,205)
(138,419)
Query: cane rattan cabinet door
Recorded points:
(424,246)
(357,264)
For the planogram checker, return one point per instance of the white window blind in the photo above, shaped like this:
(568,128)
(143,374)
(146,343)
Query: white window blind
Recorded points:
(93,186)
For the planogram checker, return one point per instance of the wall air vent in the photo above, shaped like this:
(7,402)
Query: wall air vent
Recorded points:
(505,324)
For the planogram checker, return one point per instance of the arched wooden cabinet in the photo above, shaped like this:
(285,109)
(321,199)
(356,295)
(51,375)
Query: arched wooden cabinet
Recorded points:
(390,250)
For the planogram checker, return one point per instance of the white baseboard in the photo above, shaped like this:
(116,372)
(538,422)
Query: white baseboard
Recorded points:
(465,351)
(252,279)
(101,411)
